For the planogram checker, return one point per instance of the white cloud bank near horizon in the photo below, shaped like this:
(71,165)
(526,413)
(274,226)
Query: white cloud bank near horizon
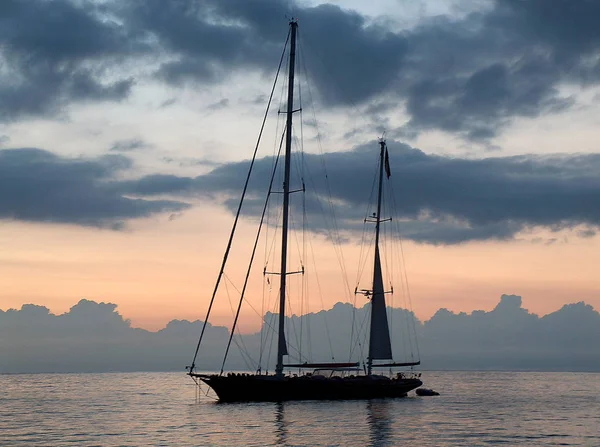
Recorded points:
(94,337)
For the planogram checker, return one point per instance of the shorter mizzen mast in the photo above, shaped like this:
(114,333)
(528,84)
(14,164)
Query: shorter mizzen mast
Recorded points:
(380,347)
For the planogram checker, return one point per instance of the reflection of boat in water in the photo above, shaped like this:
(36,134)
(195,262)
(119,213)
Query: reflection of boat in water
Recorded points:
(280,424)
(369,423)
(378,420)
(348,380)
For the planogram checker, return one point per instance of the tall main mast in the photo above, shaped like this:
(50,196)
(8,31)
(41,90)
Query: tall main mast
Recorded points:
(281,344)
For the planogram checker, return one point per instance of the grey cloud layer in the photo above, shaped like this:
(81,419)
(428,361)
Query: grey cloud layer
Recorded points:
(443,199)
(39,186)
(94,337)
(470,76)
(55,53)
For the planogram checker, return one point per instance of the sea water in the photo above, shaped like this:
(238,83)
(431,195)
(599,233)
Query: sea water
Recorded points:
(167,409)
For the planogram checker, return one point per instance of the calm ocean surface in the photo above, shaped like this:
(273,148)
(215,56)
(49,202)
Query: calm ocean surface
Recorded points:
(162,409)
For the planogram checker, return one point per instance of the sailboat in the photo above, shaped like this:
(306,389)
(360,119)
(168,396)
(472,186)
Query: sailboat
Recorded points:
(325,381)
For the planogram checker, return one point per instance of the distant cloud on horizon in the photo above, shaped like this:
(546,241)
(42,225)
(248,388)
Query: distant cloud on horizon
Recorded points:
(94,337)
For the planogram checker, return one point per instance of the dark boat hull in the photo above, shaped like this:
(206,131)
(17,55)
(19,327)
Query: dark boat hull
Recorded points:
(266,388)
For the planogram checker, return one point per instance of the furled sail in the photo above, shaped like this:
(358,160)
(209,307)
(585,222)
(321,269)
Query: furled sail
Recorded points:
(284,349)
(379,343)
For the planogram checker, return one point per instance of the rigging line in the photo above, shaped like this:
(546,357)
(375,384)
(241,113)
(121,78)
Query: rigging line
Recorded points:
(312,250)
(231,235)
(340,260)
(303,290)
(268,330)
(262,218)
(362,260)
(245,300)
(293,324)
(269,300)
(387,241)
(293,228)
(292,221)
(307,241)
(245,356)
(364,330)
(273,243)
(406,282)
(242,352)
(333,236)
(365,223)
(292,224)
(271,326)
(338,251)
(365,259)
(267,251)
(241,344)
(266,324)
(406,335)
(270,334)
(329,69)
(270,251)
(262,323)
(361,329)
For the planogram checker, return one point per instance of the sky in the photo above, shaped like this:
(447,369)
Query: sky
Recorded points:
(126,126)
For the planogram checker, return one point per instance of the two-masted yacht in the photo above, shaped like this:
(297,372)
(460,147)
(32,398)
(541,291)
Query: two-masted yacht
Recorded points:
(321,381)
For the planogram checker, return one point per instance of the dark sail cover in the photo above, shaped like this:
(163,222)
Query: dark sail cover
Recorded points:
(379,343)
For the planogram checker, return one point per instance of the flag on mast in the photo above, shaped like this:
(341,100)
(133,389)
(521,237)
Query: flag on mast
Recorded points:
(387,164)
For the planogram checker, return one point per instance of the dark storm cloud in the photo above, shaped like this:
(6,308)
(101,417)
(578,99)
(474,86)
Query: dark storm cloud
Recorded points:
(38,186)
(442,200)
(474,75)
(477,106)
(568,29)
(201,47)
(349,59)
(470,76)
(56,52)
